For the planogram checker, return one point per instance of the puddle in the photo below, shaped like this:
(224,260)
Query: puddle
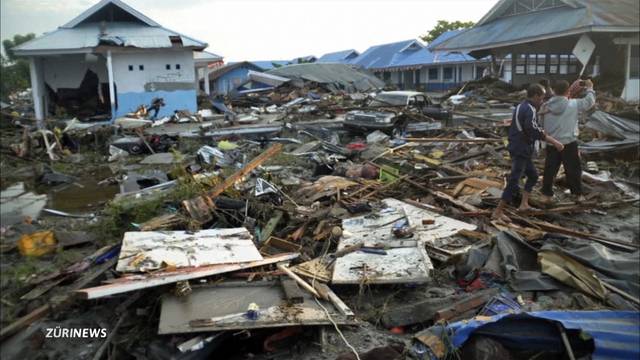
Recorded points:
(82,196)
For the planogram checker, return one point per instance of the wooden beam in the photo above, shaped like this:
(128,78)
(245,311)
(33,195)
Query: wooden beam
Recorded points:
(136,282)
(238,175)
(298,279)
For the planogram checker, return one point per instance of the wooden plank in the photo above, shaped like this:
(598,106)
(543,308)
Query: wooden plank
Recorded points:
(291,291)
(149,250)
(335,300)
(238,175)
(298,279)
(57,302)
(137,282)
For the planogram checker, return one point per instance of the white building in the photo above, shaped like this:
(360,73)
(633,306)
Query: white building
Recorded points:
(109,60)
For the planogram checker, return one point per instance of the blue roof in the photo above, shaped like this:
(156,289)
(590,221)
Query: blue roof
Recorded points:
(407,53)
(268,64)
(344,56)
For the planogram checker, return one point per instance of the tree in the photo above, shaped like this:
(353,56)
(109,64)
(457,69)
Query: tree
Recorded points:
(443,26)
(14,71)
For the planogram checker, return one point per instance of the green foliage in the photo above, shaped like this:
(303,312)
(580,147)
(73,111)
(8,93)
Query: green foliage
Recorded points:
(443,26)
(14,71)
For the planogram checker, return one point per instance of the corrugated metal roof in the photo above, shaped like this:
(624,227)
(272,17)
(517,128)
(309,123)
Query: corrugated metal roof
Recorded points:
(616,333)
(559,21)
(88,36)
(232,66)
(408,53)
(95,8)
(206,55)
(344,56)
(344,76)
(268,64)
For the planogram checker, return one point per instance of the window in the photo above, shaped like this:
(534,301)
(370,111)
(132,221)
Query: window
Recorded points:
(480,72)
(573,64)
(130,67)
(433,74)
(447,73)
(168,66)
(141,67)
(564,64)
(554,60)
(634,63)
(177,66)
(386,76)
(521,63)
(541,64)
(531,64)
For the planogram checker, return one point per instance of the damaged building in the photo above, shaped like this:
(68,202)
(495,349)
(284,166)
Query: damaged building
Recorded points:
(547,38)
(108,61)
(410,65)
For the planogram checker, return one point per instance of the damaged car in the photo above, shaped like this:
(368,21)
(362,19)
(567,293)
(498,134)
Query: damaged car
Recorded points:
(387,120)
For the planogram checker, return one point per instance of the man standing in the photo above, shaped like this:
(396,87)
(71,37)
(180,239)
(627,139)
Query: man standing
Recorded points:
(560,120)
(523,133)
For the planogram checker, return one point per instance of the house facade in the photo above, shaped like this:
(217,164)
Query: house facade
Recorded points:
(547,39)
(226,79)
(410,65)
(108,61)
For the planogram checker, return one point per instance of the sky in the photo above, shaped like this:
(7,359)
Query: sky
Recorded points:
(264,29)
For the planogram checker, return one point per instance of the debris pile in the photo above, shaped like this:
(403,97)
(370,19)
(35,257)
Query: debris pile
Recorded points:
(315,220)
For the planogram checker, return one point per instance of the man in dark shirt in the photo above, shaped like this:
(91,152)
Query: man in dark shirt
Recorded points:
(523,133)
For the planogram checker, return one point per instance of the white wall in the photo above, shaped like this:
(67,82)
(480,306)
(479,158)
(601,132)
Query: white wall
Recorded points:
(155,71)
(67,71)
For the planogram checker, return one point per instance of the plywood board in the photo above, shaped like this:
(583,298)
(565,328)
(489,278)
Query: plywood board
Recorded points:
(157,278)
(148,250)
(406,260)
(216,308)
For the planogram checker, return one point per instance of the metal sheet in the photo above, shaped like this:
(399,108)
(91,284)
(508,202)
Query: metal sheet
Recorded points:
(148,250)
(231,301)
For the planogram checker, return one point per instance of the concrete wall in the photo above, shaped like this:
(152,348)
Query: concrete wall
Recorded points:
(68,71)
(135,86)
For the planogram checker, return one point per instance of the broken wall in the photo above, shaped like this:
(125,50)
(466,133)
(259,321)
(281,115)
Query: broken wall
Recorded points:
(141,76)
(68,71)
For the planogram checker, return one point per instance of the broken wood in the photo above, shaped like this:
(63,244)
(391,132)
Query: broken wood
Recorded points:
(56,302)
(298,279)
(237,176)
(271,225)
(136,282)
(328,294)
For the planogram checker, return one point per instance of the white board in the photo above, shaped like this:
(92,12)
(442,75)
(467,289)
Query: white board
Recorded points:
(408,263)
(148,250)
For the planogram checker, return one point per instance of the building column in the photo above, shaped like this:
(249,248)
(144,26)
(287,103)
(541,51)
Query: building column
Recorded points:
(37,89)
(207,90)
(474,75)
(112,90)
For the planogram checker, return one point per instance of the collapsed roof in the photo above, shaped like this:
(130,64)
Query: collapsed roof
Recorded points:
(336,77)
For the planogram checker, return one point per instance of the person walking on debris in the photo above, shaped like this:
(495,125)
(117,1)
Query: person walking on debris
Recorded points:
(560,120)
(523,134)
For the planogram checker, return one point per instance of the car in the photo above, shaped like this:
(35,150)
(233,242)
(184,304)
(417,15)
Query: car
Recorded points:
(387,121)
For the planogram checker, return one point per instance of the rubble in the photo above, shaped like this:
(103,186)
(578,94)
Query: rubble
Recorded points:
(264,221)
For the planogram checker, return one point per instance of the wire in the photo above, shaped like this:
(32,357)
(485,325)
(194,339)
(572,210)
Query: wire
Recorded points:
(335,325)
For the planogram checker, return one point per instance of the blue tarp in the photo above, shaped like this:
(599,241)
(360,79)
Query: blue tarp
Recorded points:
(616,333)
